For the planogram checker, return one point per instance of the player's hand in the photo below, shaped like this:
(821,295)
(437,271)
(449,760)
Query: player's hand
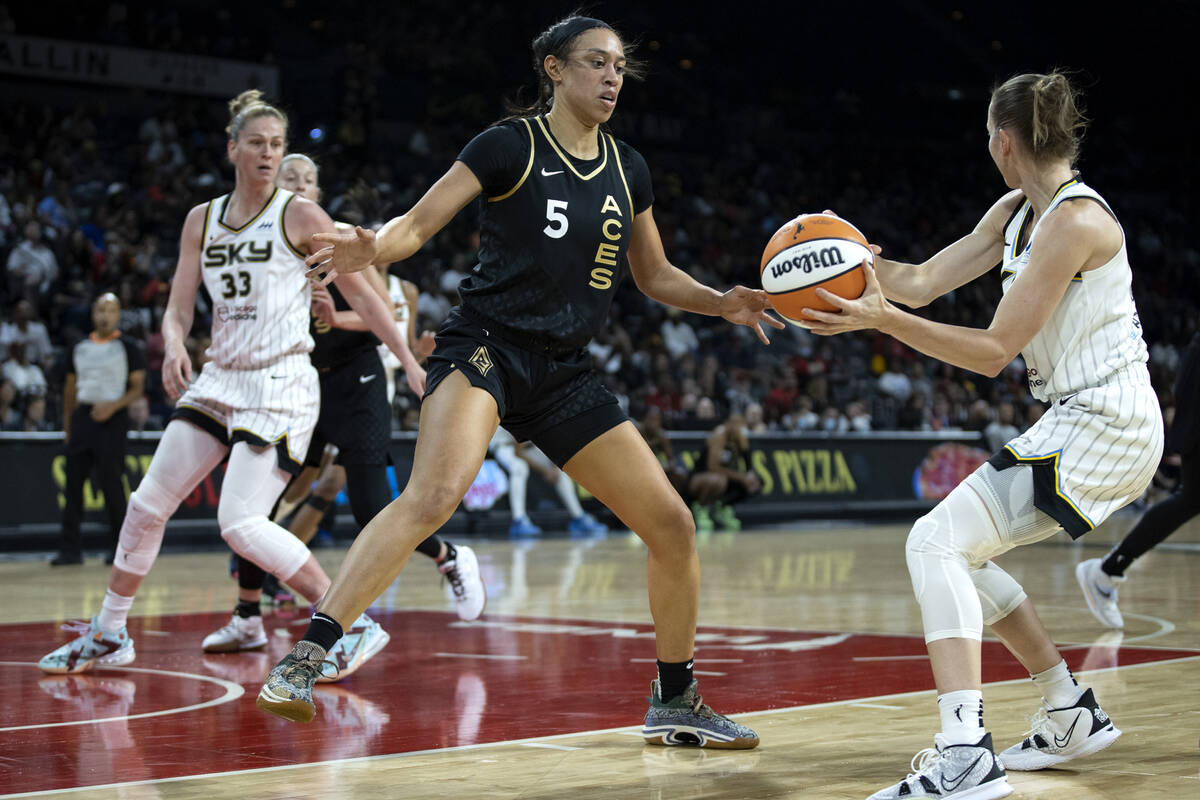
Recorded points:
(415,375)
(866,313)
(341,254)
(322,304)
(424,345)
(176,370)
(743,306)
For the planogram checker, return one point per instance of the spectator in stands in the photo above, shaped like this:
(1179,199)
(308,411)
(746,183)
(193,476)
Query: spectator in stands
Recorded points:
(8,399)
(678,336)
(723,477)
(34,417)
(1001,430)
(32,266)
(27,379)
(29,331)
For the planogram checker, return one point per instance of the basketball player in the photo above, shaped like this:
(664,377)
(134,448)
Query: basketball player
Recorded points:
(724,477)
(1098,577)
(564,203)
(255,401)
(359,424)
(518,458)
(1068,310)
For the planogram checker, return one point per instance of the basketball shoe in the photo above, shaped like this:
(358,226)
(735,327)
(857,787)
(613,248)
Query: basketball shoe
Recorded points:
(523,526)
(704,523)
(725,519)
(686,721)
(288,689)
(952,770)
(236,635)
(587,524)
(363,640)
(1100,591)
(1061,734)
(464,585)
(93,647)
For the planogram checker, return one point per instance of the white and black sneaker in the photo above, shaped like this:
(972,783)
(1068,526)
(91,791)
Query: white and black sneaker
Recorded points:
(1100,592)
(464,584)
(240,633)
(963,771)
(1057,735)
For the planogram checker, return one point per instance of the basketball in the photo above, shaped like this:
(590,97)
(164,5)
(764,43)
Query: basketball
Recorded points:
(810,252)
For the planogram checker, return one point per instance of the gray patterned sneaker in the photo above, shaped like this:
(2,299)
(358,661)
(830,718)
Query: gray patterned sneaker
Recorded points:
(1061,734)
(288,690)
(93,647)
(686,721)
(963,771)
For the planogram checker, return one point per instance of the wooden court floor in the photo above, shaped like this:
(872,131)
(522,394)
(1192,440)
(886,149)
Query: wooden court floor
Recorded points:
(809,634)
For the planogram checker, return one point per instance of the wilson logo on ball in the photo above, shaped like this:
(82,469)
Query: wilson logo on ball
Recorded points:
(810,252)
(807,262)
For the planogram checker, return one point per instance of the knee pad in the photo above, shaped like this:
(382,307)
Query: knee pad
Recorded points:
(142,531)
(937,564)
(277,551)
(999,593)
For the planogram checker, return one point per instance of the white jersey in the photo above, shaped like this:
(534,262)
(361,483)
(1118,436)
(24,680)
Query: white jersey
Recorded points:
(403,312)
(261,298)
(1094,332)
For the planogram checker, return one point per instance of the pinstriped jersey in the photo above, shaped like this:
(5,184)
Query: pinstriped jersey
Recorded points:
(553,243)
(261,299)
(403,313)
(1094,331)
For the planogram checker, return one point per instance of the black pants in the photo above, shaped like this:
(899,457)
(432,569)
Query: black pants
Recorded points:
(96,449)
(1161,520)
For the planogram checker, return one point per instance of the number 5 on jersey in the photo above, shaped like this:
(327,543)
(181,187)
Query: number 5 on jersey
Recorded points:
(556,228)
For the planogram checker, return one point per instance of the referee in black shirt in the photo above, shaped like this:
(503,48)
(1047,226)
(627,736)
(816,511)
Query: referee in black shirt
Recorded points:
(105,373)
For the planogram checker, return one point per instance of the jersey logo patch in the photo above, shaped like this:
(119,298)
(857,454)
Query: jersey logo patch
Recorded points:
(482,360)
(548,174)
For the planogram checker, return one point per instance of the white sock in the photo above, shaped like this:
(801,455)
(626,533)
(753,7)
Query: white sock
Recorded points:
(962,716)
(1058,686)
(113,611)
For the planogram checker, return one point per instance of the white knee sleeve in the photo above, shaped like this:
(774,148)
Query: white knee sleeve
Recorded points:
(271,547)
(999,593)
(948,551)
(252,483)
(142,531)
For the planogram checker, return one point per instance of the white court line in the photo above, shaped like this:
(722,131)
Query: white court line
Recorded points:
(702,672)
(551,746)
(155,633)
(232,692)
(890,658)
(877,705)
(485,656)
(629,730)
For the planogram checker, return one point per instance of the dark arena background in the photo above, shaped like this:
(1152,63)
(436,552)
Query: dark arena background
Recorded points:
(749,114)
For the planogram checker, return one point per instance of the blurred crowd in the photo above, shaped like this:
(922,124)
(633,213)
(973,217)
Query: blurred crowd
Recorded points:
(93,193)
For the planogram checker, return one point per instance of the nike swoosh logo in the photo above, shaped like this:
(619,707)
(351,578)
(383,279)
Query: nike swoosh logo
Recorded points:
(689,666)
(953,784)
(1063,741)
(1065,400)
(1103,593)
(548,174)
(365,378)
(278,377)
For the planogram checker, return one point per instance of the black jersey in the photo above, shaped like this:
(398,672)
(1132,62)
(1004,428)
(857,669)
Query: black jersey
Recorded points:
(333,347)
(554,231)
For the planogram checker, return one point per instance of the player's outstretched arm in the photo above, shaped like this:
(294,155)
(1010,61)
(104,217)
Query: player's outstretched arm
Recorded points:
(341,253)
(661,280)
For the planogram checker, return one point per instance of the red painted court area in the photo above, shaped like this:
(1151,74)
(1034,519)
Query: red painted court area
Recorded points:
(440,683)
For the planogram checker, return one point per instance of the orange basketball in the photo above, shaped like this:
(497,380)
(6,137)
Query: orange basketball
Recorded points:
(811,251)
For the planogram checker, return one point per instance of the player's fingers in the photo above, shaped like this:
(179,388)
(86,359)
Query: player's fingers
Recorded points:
(876,249)
(321,256)
(830,297)
(773,321)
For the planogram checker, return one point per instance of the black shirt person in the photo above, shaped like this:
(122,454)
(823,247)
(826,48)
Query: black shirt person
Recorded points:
(566,212)
(105,373)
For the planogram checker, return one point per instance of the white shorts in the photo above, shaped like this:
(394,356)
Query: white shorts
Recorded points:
(273,406)
(1092,452)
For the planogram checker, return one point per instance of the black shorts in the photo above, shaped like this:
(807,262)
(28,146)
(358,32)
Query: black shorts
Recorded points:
(355,414)
(553,399)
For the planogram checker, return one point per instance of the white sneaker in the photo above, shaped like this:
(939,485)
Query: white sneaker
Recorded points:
(240,633)
(1102,601)
(1061,734)
(965,771)
(464,585)
(364,639)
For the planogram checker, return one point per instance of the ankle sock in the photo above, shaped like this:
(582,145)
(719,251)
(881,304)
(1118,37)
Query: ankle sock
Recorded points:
(1058,686)
(962,716)
(114,611)
(247,609)
(673,678)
